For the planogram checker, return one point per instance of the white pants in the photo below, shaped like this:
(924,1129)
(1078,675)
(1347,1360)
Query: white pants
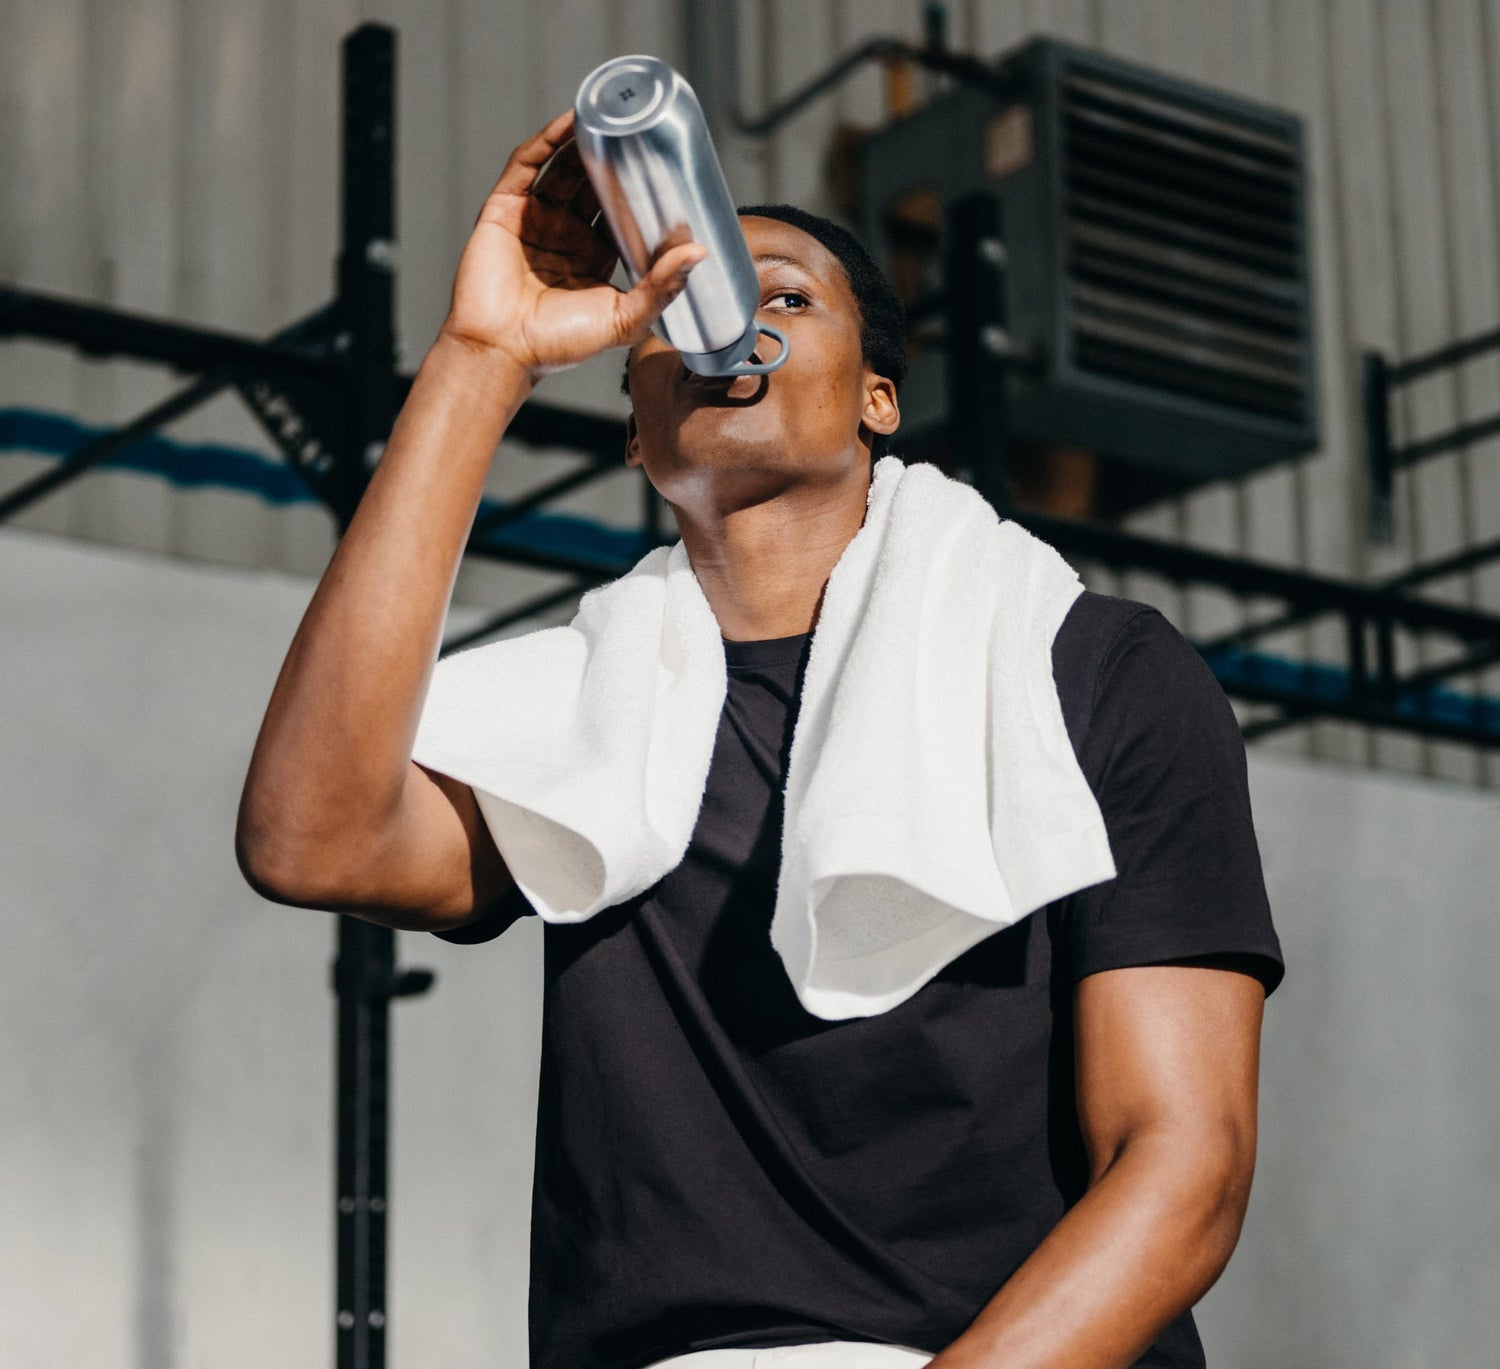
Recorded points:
(838,1354)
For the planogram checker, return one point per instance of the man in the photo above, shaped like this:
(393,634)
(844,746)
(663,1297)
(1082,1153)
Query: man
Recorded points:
(1043,1157)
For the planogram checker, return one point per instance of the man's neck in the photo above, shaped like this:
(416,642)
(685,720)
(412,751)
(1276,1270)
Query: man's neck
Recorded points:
(763,567)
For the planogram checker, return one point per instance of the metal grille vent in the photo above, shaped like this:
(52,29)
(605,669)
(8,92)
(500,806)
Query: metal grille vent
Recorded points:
(1184,262)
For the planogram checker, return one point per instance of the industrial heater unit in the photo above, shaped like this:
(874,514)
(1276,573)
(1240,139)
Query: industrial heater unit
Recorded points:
(1127,251)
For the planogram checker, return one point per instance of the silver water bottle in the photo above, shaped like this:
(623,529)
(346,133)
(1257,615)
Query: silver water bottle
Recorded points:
(646,147)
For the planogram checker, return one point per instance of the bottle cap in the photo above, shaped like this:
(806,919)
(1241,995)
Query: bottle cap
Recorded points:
(626,94)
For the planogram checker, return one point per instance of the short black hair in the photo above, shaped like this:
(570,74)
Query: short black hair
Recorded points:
(882,319)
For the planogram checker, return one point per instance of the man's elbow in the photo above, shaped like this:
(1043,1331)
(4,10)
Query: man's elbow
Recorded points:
(1236,1173)
(1218,1166)
(344,877)
(279,858)
(268,869)
(1201,1175)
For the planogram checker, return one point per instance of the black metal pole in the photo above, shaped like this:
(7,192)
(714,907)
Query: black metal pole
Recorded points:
(221,360)
(979,348)
(1378,458)
(365,975)
(367,260)
(362,976)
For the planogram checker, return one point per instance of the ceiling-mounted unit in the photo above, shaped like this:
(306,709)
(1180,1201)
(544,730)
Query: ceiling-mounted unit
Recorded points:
(1156,264)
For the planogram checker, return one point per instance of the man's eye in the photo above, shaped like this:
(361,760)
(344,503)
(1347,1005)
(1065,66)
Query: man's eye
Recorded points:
(788,294)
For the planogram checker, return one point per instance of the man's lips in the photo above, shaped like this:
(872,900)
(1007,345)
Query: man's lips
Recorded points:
(731,387)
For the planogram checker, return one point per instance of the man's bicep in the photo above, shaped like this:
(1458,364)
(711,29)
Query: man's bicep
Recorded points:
(1170,1050)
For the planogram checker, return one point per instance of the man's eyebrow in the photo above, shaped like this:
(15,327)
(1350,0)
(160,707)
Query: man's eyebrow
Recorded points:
(776,259)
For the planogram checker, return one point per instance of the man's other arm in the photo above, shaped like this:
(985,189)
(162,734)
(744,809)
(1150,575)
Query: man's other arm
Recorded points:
(1168,1060)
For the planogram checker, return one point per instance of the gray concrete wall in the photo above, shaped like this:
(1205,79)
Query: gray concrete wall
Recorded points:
(166,1074)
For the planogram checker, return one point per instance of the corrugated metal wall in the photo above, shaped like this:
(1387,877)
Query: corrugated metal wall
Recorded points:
(180,157)
(1402,118)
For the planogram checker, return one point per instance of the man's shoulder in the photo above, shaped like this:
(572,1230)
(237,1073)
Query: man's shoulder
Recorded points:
(1092,627)
(1096,619)
(1128,680)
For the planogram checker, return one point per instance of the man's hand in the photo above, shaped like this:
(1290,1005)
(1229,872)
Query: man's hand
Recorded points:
(1167,1073)
(534,281)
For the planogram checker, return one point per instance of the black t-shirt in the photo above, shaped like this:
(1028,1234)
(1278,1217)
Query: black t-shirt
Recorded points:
(717,1167)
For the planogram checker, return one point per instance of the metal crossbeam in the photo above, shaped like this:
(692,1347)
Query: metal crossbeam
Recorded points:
(534,499)
(1304,591)
(1458,562)
(97,331)
(519,613)
(586,568)
(1383,458)
(1378,696)
(225,357)
(102,448)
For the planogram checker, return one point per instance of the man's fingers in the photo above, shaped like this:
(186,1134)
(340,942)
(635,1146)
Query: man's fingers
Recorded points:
(586,202)
(529,158)
(641,305)
(562,177)
(675,262)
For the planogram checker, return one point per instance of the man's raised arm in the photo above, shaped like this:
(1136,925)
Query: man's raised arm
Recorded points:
(335,814)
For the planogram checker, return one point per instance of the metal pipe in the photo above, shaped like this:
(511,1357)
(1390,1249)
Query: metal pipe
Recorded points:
(1310,593)
(968,70)
(1430,570)
(1465,435)
(548,560)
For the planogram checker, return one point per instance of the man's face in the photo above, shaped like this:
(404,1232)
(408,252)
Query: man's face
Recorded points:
(739,439)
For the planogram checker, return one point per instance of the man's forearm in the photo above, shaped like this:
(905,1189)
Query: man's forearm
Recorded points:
(1146,1241)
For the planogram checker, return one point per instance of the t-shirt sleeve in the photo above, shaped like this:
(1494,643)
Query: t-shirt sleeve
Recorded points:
(511,906)
(1163,753)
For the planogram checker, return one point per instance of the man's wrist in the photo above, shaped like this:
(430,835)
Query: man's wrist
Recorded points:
(483,364)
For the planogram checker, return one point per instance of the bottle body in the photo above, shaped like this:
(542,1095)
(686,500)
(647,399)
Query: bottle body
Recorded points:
(646,147)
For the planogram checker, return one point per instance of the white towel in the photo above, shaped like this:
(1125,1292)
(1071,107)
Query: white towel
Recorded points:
(932,793)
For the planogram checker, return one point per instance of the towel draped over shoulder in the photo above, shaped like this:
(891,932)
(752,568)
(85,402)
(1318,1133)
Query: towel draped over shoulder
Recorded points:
(932,793)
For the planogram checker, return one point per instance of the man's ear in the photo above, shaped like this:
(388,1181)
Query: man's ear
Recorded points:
(632,441)
(882,414)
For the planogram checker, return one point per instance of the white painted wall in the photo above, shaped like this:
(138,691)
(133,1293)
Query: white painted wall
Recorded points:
(166,1071)
(1373,1236)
